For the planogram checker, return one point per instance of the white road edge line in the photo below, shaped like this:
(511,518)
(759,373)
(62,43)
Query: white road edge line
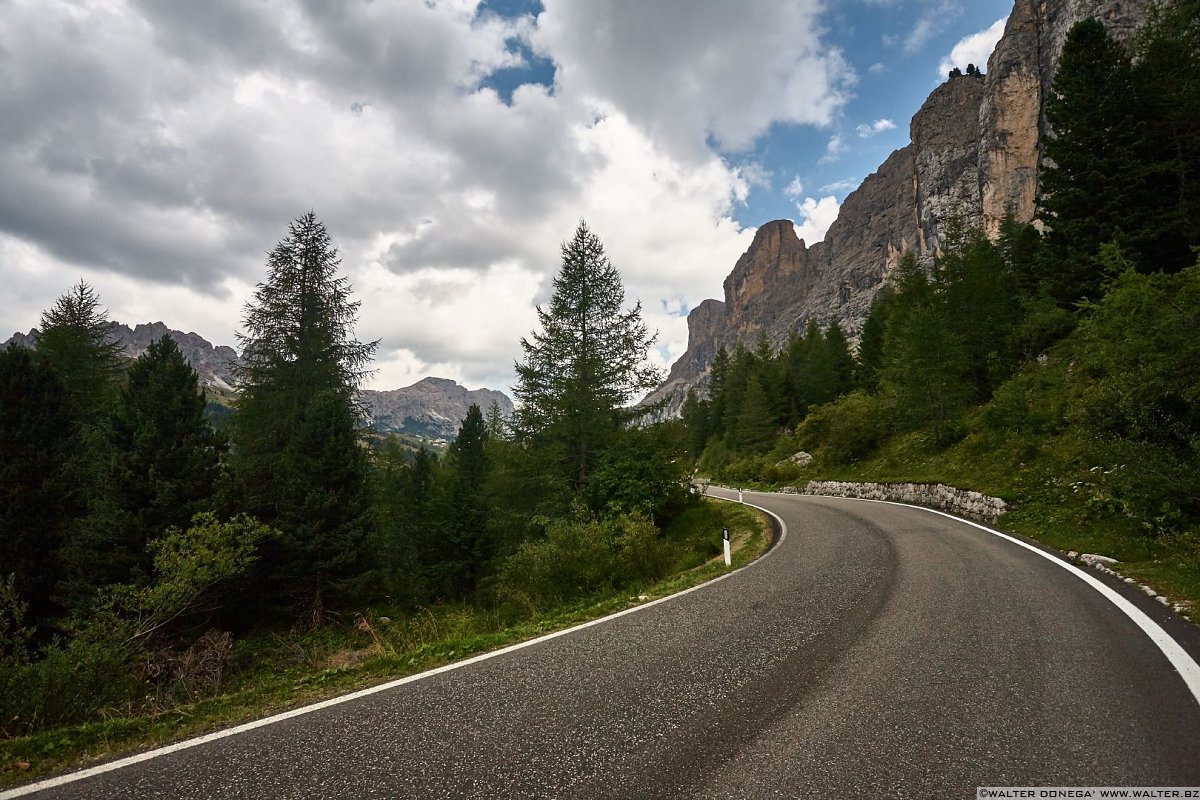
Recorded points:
(62,780)
(1180,659)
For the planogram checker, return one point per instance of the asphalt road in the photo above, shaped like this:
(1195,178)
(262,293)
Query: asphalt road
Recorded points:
(878,651)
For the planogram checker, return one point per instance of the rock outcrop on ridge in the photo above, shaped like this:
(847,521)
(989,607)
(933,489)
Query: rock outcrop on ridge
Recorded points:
(432,408)
(974,150)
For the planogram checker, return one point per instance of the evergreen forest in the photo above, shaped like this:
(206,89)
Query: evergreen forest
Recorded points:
(155,554)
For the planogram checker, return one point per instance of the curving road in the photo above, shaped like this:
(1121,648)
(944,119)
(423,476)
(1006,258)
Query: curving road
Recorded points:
(878,651)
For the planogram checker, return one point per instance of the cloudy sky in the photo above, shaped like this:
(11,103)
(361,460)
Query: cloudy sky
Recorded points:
(157,149)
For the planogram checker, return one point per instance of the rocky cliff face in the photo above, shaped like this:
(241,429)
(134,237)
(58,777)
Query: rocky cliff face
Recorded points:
(214,364)
(974,152)
(1012,117)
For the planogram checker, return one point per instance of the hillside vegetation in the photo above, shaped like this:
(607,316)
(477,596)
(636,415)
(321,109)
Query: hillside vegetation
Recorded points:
(1058,370)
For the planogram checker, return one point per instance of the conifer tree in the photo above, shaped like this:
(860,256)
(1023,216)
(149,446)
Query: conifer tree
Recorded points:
(1091,182)
(982,304)
(870,343)
(1167,75)
(462,545)
(737,378)
(841,362)
(585,364)
(37,499)
(157,458)
(694,414)
(718,393)
(807,369)
(754,428)
(75,338)
(497,426)
(297,461)
(925,370)
(75,341)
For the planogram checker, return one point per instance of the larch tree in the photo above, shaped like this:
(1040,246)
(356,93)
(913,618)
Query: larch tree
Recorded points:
(76,339)
(297,462)
(586,363)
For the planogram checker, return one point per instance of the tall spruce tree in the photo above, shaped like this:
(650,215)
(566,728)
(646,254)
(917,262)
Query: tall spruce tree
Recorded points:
(754,428)
(463,545)
(586,363)
(1167,74)
(76,342)
(297,461)
(869,359)
(157,459)
(983,306)
(694,414)
(925,371)
(841,361)
(37,499)
(718,393)
(1092,187)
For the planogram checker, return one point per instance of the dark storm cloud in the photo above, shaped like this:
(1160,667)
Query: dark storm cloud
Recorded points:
(123,120)
(248,35)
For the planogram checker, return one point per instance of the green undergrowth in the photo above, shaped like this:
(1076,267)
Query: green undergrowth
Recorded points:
(1062,495)
(276,671)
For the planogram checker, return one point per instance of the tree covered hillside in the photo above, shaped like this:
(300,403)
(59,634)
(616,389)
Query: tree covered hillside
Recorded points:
(1057,365)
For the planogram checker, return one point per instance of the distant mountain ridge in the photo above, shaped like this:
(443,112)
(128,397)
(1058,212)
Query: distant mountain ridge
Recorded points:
(432,408)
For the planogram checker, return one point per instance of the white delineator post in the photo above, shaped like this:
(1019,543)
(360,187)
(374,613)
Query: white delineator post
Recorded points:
(725,536)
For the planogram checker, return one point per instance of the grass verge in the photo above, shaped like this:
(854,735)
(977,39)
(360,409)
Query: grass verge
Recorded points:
(1058,497)
(277,672)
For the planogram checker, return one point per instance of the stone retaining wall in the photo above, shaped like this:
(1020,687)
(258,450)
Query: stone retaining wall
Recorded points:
(962,502)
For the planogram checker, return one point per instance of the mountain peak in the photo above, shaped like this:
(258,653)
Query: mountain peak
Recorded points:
(777,236)
(431,408)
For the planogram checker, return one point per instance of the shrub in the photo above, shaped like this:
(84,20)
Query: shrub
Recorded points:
(847,430)
(97,667)
(581,556)
(69,683)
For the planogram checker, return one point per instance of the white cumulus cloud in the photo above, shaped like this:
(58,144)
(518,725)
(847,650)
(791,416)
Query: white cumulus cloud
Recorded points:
(158,150)
(869,129)
(815,218)
(974,49)
(721,70)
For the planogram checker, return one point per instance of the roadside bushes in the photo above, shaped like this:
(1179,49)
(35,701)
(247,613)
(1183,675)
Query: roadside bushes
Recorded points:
(848,430)
(581,556)
(130,641)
